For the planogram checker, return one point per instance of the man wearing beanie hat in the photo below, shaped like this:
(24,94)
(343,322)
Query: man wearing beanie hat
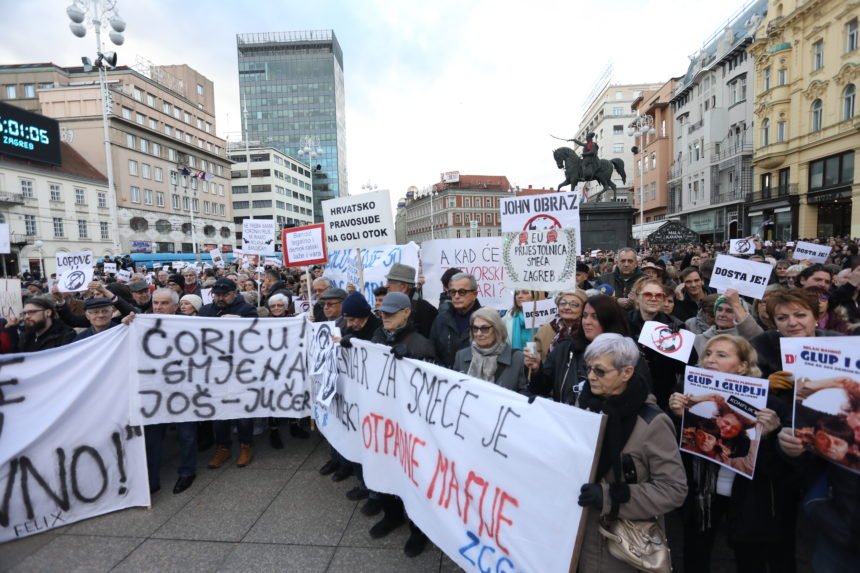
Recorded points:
(582,271)
(142,296)
(177,283)
(42,327)
(401,278)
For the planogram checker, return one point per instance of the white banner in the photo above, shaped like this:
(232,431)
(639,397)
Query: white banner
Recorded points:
(258,236)
(11,301)
(748,277)
(539,212)
(720,424)
(826,386)
(358,221)
(67,449)
(323,353)
(741,246)
(342,267)
(812,252)
(74,271)
(660,338)
(541,311)
(461,454)
(540,260)
(196,368)
(479,257)
(5,245)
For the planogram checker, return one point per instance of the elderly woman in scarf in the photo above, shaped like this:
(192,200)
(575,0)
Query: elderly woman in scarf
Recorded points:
(569,304)
(490,356)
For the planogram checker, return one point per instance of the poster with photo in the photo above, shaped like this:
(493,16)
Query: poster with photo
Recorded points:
(826,396)
(719,421)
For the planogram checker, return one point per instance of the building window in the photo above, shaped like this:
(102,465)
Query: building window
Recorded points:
(140,118)
(818,55)
(222,210)
(617,148)
(144,145)
(165,107)
(145,171)
(849,97)
(617,111)
(817,115)
(159,199)
(129,140)
(126,113)
(765,132)
(55,192)
(11,92)
(174,177)
(851,38)
(138,95)
(153,124)
(102,200)
(177,113)
(175,201)
(30,225)
(59,232)
(27,188)
(159,174)
(765,74)
(781,77)
(104,230)
(82,229)
(168,130)
(780,132)
(80,196)
(147,196)
(186,203)
(617,130)
(206,207)
(171,154)
(132,167)
(653,161)
(187,117)
(833,171)
(135,194)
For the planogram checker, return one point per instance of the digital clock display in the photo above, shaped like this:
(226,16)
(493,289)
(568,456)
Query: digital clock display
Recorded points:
(29,135)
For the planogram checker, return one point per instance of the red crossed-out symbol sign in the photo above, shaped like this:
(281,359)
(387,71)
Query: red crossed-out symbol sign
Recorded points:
(666,340)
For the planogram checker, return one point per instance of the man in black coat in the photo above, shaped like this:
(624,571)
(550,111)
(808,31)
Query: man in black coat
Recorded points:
(450,331)
(226,302)
(401,278)
(42,327)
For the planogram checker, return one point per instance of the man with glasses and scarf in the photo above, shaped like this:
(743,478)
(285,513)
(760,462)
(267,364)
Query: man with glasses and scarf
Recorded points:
(450,331)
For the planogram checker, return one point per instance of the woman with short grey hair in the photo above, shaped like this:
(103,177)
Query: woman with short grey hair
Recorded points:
(490,356)
(279,305)
(639,471)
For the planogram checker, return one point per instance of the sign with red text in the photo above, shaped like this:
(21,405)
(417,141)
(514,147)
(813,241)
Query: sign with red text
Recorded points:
(542,212)
(304,245)
(540,260)
(747,277)
(826,396)
(461,454)
(481,258)
(661,338)
(719,422)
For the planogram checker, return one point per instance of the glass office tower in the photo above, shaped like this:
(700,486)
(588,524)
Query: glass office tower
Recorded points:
(292,86)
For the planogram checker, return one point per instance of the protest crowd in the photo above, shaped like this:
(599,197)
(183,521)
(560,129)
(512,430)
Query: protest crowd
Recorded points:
(589,355)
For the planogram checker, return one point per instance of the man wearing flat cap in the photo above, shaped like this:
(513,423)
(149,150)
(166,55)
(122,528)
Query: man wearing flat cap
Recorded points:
(401,278)
(99,312)
(332,306)
(226,303)
(42,327)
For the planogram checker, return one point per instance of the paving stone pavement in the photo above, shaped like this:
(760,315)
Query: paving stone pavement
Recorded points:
(277,514)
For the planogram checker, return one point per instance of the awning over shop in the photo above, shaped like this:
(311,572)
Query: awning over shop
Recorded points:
(642,231)
(673,233)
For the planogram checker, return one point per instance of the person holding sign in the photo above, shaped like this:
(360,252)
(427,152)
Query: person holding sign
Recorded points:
(730,317)
(569,304)
(756,516)
(639,470)
(514,320)
(490,356)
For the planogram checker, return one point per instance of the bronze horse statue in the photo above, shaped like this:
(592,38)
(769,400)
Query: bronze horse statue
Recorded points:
(567,159)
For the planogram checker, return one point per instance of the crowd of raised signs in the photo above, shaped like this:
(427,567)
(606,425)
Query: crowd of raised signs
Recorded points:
(737,457)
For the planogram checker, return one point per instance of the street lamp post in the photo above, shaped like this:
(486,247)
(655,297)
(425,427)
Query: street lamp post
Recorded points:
(310,149)
(102,13)
(641,128)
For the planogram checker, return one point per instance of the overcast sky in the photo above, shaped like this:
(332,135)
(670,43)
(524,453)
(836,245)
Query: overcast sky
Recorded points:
(474,86)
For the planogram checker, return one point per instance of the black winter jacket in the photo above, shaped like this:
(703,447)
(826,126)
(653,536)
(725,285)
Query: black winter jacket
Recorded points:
(417,346)
(445,337)
(239,307)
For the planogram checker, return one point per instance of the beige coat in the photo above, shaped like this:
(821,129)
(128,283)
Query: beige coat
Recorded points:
(661,487)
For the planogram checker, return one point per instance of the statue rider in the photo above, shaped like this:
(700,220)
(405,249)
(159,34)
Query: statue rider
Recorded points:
(589,156)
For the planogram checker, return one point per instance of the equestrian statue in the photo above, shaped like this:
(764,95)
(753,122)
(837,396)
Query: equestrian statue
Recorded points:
(589,167)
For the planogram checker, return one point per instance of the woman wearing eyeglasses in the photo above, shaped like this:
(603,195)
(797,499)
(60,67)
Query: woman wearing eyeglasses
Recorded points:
(639,471)
(569,304)
(490,356)
(649,295)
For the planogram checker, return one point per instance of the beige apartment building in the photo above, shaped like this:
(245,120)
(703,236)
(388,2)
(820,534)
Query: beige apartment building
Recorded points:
(171,171)
(808,128)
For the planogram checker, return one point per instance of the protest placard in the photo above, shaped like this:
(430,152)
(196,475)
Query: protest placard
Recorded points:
(747,277)
(539,312)
(342,267)
(217,257)
(720,423)
(826,396)
(541,213)
(461,454)
(206,295)
(199,368)
(741,246)
(481,258)
(304,245)
(359,221)
(10,302)
(110,268)
(661,338)
(273,261)
(123,276)
(812,252)
(540,260)
(258,236)
(74,270)
(323,353)
(68,451)
(177,265)
(5,245)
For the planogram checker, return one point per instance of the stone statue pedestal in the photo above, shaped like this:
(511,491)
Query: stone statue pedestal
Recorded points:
(606,226)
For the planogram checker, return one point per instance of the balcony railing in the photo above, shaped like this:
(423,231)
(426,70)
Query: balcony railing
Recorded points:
(19,239)
(720,195)
(675,171)
(729,150)
(766,193)
(8,197)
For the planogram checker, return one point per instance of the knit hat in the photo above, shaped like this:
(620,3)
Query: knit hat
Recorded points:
(195,301)
(177,278)
(355,306)
(582,268)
